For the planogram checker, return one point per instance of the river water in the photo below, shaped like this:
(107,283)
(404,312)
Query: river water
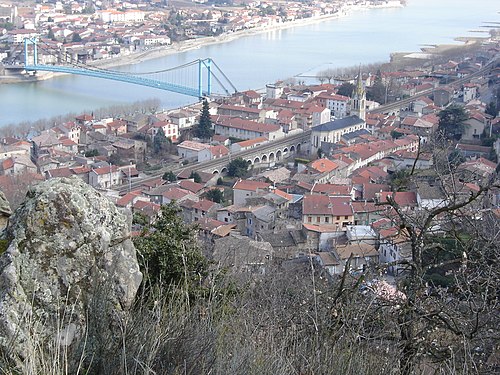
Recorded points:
(252,61)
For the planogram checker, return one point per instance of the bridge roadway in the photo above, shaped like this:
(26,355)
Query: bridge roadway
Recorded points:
(302,138)
(117,76)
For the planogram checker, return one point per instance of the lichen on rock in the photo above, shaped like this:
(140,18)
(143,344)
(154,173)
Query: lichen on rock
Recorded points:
(68,243)
(5,212)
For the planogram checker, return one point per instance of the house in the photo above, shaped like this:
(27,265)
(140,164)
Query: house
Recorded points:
(475,125)
(196,211)
(332,131)
(420,103)
(360,254)
(328,262)
(311,115)
(117,127)
(394,249)
(337,104)
(183,118)
(473,151)
(191,149)
(191,186)
(406,200)
(407,159)
(361,234)
(170,130)
(105,177)
(176,194)
(430,195)
(418,126)
(71,131)
(245,112)
(320,209)
(259,219)
(243,189)
(17,164)
(470,91)
(365,213)
(212,152)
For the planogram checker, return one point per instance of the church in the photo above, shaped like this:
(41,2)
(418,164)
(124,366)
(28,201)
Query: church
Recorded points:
(331,132)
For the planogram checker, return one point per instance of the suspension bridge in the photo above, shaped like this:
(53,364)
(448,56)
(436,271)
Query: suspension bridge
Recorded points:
(199,78)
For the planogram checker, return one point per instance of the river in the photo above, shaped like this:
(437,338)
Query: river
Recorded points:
(252,61)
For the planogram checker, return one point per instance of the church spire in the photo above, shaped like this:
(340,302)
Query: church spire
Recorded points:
(358,100)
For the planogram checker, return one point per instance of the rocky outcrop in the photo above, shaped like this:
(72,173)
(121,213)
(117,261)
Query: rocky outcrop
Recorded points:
(5,212)
(68,244)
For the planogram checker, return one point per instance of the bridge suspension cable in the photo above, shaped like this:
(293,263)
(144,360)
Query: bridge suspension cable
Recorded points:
(182,79)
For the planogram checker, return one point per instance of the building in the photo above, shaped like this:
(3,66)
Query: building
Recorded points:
(212,152)
(331,132)
(245,129)
(105,177)
(243,189)
(319,209)
(191,149)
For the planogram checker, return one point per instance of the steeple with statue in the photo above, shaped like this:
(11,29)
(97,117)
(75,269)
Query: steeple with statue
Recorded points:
(358,98)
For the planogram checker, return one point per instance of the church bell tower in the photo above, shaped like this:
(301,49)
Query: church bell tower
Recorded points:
(358,99)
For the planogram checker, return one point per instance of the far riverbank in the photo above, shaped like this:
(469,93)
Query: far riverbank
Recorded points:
(192,44)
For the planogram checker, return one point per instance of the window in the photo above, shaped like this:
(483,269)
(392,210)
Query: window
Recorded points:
(327,219)
(338,218)
(346,217)
(318,219)
(309,219)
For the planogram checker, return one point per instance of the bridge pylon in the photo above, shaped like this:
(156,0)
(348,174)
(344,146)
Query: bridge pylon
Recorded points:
(28,42)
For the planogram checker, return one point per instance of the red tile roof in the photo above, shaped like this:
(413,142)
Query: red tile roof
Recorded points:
(106,170)
(250,185)
(402,198)
(203,205)
(192,186)
(316,204)
(323,165)
(239,123)
(331,189)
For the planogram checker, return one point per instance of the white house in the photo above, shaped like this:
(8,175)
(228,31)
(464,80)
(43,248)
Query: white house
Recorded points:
(105,177)
(183,119)
(170,129)
(244,189)
(212,152)
(191,149)
(338,105)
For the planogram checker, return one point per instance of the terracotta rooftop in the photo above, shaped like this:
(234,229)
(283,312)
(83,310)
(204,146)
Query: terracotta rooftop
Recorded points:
(250,185)
(316,204)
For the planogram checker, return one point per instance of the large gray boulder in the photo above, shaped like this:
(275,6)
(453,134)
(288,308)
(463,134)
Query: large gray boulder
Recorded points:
(5,212)
(69,247)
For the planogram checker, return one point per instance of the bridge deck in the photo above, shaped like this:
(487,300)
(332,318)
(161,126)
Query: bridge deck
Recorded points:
(117,76)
